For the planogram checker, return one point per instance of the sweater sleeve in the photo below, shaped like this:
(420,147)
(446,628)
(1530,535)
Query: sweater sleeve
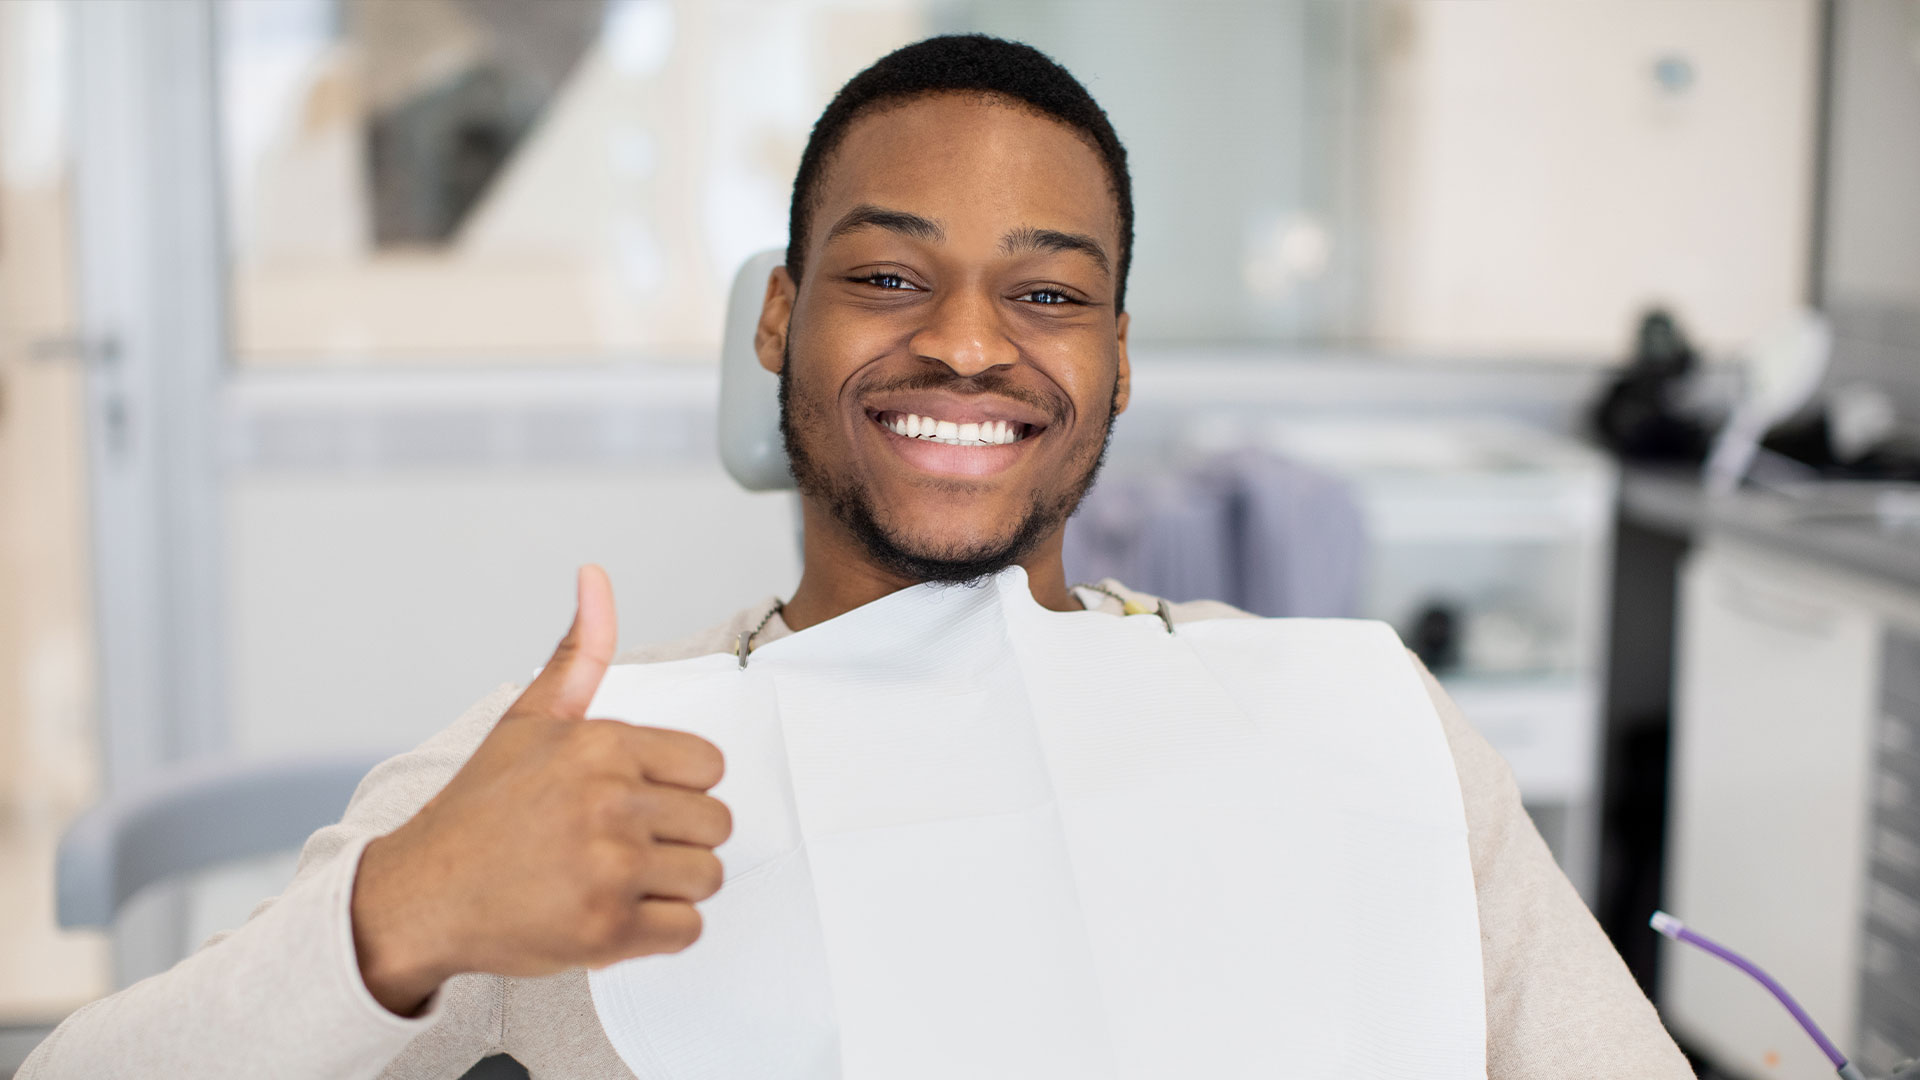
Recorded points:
(282,994)
(1560,1002)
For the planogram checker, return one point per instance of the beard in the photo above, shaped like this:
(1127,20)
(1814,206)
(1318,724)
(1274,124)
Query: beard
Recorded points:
(852,504)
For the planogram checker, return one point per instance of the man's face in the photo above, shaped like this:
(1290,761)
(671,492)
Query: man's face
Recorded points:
(952,360)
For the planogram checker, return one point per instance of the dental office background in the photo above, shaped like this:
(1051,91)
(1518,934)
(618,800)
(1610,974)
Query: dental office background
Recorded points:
(335,333)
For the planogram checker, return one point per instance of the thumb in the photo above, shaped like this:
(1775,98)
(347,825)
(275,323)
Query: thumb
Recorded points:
(566,685)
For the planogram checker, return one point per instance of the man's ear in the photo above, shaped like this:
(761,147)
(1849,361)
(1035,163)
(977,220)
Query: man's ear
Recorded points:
(1123,376)
(776,311)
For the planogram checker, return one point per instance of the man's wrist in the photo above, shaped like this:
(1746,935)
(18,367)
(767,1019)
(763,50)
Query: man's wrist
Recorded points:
(396,960)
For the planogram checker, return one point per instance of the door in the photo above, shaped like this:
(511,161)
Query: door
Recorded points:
(48,753)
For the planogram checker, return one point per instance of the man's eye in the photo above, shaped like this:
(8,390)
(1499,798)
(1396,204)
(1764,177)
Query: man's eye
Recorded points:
(885,281)
(1048,297)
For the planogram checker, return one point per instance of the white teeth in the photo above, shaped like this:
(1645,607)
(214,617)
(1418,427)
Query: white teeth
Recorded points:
(984,433)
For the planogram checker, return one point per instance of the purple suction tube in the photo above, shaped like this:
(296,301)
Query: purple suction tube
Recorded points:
(1677,930)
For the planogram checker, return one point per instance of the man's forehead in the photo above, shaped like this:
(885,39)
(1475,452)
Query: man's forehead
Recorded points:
(966,162)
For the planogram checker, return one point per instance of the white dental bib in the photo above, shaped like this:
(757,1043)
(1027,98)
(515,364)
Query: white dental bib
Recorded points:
(977,838)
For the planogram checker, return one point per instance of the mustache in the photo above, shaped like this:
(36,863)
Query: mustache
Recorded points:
(987,382)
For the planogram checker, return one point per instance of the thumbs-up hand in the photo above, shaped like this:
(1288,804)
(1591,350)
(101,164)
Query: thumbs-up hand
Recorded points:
(563,842)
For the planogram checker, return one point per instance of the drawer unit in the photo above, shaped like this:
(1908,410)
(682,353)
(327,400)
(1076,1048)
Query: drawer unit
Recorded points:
(1778,686)
(1890,940)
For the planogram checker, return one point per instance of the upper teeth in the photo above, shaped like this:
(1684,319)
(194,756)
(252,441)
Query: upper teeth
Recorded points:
(987,433)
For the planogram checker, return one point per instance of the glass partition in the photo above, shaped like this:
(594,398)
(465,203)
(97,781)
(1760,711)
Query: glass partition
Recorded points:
(476,181)
(49,748)
(576,180)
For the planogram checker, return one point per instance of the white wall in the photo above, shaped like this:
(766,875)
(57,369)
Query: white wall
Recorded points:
(1537,187)
(368,609)
(1873,224)
(1871,286)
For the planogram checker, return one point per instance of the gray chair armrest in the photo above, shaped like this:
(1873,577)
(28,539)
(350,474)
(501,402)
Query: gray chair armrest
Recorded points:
(194,816)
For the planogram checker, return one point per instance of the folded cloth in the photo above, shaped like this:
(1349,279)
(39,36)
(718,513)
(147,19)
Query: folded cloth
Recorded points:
(1302,538)
(974,837)
(1174,534)
(1261,532)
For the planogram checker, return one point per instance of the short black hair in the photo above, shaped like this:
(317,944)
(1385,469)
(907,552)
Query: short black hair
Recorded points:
(963,63)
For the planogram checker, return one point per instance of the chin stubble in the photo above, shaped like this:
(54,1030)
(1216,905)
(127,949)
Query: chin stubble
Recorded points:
(853,505)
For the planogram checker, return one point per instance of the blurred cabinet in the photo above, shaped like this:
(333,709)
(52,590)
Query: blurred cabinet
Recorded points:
(1890,945)
(1776,704)
(1498,533)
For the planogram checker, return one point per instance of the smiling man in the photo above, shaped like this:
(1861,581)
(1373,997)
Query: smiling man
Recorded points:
(951,339)
(949,329)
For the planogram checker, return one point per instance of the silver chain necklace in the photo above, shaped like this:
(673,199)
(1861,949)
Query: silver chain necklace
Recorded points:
(743,644)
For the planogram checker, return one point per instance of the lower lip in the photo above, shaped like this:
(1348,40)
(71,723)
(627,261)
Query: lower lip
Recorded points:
(946,459)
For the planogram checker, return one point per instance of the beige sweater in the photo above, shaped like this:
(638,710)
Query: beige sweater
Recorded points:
(282,996)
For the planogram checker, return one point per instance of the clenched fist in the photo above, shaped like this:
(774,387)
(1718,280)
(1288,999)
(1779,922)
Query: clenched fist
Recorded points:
(564,842)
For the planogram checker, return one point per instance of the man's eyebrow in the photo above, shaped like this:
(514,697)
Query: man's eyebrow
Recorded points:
(867,215)
(1053,240)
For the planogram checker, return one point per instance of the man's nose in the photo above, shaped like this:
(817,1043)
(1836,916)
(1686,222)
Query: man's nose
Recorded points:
(964,331)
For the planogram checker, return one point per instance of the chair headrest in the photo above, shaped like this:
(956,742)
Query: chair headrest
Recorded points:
(750,445)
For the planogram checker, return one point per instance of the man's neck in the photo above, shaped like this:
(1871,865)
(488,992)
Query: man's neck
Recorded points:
(838,575)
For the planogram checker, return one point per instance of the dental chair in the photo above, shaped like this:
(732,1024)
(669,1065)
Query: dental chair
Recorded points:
(750,445)
(192,818)
(204,815)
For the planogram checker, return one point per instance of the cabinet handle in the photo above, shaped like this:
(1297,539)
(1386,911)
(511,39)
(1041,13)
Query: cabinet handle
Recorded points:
(75,349)
(1780,612)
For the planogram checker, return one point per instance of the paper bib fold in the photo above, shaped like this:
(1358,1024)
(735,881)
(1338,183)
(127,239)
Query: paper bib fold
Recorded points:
(974,837)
